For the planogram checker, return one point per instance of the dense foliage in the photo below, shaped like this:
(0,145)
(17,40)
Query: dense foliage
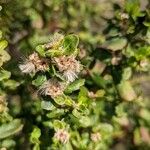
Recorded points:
(74,75)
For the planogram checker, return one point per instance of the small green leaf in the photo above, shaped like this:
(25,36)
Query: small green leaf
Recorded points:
(121,110)
(127,73)
(47,105)
(39,80)
(100,93)
(58,124)
(99,80)
(40,49)
(10,128)
(63,100)
(137,136)
(56,113)
(115,44)
(76,113)
(106,128)
(11,84)
(60,100)
(4,56)
(53,53)
(70,44)
(4,75)
(75,85)
(35,135)
(3,45)
(85,121)
(126,91)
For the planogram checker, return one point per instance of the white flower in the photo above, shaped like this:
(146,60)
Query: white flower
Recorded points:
(62,136)
(52,88)
(33,64)
(70,75)
(69,66)
(27,67)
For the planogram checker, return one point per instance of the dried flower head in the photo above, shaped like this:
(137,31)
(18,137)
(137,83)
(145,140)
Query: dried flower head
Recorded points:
(95,137)
(62,136)
(33,64)
(69,66)
(52,88)
(55,41)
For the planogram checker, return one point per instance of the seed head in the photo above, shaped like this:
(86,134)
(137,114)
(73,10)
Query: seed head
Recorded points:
(52,88)
(69,66)
(62,136)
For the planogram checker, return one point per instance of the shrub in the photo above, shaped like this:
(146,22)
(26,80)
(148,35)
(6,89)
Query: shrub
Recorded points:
(86,87)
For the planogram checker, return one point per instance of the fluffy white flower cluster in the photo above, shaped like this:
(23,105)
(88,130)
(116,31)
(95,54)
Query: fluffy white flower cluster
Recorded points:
(62,136)
(52,88)
(69,66)
(34,64)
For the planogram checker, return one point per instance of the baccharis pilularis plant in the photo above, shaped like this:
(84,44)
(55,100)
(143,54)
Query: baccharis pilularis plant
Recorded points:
(73,96)
(55,70)
(58,64)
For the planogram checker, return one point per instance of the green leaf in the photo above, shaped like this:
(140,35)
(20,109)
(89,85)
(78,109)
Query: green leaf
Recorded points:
(137,136)
(75,85)
(115,44)
(85,121)
(11,84)
(126,91)
(35,135)
(3,45)
(81,111)
(70,44)
(100,93)
(142,52)
(99,80)
(58,124)
(56,113)
(40,49)
(53,53)
(4,75)
(121,110)
(4,56)
(63,100)
(10,128)
(47,105)
(76,113)
(133,8)
(39,80)
(60,100)
(106,128)
(127,73)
